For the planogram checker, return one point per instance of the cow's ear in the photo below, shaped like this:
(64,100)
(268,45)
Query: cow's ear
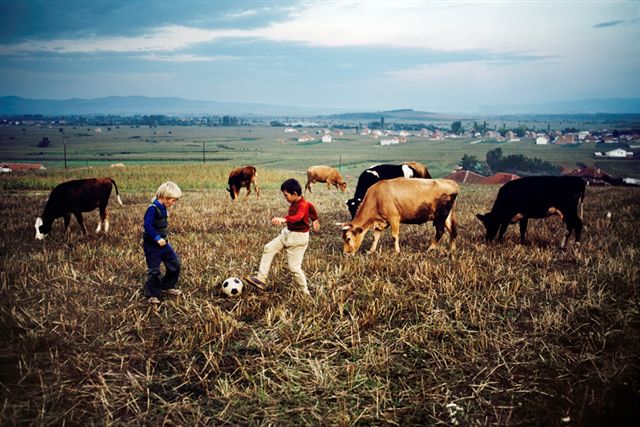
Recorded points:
(357,230)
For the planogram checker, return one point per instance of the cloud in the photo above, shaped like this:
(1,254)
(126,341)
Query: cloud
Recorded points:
(163,39)
(187,58)
(610,23)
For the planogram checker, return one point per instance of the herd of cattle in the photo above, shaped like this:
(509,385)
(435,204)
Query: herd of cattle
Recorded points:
(385,196)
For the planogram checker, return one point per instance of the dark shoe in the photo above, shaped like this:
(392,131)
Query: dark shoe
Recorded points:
(255,282)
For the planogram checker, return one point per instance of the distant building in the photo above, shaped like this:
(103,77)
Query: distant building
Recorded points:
(389,141)
(15,167)
(327,138)
(565,139)
(542,140)
(305,138)
(465,177)
(618,153)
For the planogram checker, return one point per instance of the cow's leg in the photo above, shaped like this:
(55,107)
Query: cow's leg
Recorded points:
(523,229)
(255,187)
(452,228)
(395,232)
(328,185)
(67,221)
(246,196)
(502,230)
(104,220)
(440,226)
(78,216)
(376,236)
(307,186)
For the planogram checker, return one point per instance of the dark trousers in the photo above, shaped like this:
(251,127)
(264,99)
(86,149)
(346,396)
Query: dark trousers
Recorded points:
(155,255)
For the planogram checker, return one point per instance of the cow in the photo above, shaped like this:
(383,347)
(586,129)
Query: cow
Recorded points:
(536,197)
(379,172)
(75,197)
(243,177)
(325,174)
(407,201)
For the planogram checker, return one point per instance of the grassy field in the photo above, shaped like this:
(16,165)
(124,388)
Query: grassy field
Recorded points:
(269,147)
(511,334)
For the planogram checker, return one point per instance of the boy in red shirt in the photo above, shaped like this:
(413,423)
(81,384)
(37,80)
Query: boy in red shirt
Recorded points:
(294,238)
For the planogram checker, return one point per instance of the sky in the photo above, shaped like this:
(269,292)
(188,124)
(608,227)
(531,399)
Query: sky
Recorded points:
(352,55)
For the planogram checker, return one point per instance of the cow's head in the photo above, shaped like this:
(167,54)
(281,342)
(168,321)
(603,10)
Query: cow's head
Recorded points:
(353,205)
(41,229)
(490,223)
(231,189)
(343,186)
(351,238)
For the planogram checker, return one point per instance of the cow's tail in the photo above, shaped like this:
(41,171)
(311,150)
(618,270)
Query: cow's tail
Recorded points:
(117,193)
(584,191)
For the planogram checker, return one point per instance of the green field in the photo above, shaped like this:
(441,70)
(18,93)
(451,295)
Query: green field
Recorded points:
(512,334)
(267,147)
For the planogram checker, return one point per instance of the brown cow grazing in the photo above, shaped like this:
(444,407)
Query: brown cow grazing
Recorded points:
(243,177)
(325,174)
(403,200)
(75,197)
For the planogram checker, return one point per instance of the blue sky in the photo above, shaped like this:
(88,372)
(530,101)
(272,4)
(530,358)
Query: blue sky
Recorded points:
(350,55)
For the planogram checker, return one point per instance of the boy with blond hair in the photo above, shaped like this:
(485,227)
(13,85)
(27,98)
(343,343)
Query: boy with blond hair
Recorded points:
(157,249)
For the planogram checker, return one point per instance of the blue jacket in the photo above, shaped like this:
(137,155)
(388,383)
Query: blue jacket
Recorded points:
(156,221)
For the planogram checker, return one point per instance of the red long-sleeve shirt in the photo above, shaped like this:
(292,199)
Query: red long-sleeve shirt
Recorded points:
(299,214)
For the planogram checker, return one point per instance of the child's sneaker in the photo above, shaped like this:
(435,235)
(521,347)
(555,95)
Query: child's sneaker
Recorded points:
(255,282)
(153,301)
(174,292)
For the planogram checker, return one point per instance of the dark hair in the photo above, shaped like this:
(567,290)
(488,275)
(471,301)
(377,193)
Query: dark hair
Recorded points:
(291,186)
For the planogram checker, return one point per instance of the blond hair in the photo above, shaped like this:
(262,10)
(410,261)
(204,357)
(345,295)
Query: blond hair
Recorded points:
(168,190)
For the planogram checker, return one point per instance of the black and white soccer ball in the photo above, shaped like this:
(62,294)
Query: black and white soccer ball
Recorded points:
(232,287)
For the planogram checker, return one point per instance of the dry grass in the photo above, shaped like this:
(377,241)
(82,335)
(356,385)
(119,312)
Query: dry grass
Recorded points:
(512,334)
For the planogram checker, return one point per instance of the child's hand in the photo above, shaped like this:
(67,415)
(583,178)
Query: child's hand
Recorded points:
(278,220)
(316,225)
(162,242)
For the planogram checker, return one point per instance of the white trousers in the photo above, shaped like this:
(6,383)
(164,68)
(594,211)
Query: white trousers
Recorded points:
(295,244)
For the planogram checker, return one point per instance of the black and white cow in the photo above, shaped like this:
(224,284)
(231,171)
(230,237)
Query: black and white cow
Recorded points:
(380,172)
(536,197)
(75,197)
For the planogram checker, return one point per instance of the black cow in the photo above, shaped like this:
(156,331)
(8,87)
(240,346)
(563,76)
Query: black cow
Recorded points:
(241,177)
(75,197)
(379,172)
(536,197)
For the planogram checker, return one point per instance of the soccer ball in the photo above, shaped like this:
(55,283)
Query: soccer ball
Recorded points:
(232,287)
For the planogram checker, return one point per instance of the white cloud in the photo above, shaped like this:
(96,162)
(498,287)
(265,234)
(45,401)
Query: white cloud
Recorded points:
(187,58)
(163,39)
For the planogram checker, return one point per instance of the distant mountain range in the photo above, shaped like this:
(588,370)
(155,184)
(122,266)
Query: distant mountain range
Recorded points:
(143,105)
(131,105)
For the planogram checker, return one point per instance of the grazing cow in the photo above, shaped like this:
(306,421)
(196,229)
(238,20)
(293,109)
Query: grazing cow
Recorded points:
(407,201)
(75,197)
(243,177)
(536,197)
(325,174)
(379,172)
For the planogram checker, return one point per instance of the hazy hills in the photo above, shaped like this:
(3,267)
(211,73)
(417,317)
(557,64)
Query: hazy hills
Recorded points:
(131,105)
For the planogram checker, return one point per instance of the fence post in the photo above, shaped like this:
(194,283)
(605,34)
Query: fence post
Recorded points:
(203,160)
(65,155)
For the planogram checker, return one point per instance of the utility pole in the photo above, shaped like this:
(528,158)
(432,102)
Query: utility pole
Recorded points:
(65,155)
(203,160)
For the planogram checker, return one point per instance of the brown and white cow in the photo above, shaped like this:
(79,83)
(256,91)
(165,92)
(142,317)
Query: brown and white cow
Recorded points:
(325,174)
(243,177)
(403,200)
(75,197)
